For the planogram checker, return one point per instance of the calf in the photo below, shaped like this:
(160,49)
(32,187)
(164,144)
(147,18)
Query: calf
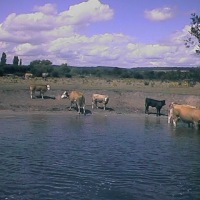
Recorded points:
(99,98)
(41,88)
(154,103)
(75,98)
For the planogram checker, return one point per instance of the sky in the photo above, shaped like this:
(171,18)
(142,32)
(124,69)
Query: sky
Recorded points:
(126,34)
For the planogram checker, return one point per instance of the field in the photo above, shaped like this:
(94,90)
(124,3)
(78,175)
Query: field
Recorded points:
(126,95)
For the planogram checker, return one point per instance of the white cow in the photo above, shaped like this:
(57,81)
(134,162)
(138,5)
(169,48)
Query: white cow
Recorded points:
(40,88)
(45,75)
(99,98)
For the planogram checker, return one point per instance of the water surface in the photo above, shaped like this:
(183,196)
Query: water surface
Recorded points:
(47,156)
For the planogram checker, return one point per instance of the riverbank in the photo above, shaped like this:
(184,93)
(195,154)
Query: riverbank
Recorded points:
(126,95)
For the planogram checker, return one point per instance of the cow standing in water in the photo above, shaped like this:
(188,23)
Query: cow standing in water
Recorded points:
(186,113)
(158,104)
(172,111)
(75,98)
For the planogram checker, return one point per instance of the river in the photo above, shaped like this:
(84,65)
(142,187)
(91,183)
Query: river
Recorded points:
(97,157)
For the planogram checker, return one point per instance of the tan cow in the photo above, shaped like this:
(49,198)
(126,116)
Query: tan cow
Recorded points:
(40,88)
(99,98)
(77,98)
(174,105)
(28,76)
(187,113)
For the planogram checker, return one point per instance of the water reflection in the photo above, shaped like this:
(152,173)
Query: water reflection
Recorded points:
(38,122)
(183,131)
(151,123)
(149,119)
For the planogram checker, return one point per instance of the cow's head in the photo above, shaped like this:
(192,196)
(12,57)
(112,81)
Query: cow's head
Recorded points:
(48,87)
(163,102)
(65,95)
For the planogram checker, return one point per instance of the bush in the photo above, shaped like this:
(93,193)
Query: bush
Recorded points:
(55,74)
(68,75)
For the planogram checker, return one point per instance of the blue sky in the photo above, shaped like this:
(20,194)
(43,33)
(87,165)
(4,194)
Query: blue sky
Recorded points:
(129,33)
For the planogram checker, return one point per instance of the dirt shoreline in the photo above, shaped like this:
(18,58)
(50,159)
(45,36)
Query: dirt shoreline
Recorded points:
(125,97)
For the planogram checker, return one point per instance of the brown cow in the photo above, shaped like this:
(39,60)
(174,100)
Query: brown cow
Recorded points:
(75,98)
(171,106)
(39,87)
(99,98)
(188,114)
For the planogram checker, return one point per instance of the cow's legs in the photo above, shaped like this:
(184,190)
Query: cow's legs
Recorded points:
(146,109)
(196,125)
(170,115)
(70,108)
(79,109)
(31,93)
(96,104)
(84,110)
(42,94)
(175,121)
(158,111)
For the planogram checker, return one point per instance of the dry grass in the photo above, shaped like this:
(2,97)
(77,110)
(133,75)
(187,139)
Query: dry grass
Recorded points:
(102,84)
(126,95)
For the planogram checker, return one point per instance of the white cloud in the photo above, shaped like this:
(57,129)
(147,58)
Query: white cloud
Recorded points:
(26,22)
(159,14)
(26,49)
(90,11)
(48,9)
(48,34)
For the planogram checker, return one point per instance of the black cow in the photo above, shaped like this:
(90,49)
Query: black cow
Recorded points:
(154,103)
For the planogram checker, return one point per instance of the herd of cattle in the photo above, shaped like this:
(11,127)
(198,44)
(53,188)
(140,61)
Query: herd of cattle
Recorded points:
(177,112)
(75,97)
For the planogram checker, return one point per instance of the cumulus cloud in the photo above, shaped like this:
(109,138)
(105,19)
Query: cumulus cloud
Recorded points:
(159,14)
(49,34)
(90,11)
(48,9)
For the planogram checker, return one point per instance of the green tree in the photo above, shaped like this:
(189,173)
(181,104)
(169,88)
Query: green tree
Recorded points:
(64,71)
(40,63)
(149,75)
(195,32)
(3,58)
(46,62)
(15,60)
(35,63)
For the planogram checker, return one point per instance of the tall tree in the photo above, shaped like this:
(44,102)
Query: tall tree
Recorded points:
(16,60)
(195,32)
(3,58)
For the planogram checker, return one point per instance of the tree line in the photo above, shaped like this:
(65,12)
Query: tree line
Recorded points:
(38,67)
